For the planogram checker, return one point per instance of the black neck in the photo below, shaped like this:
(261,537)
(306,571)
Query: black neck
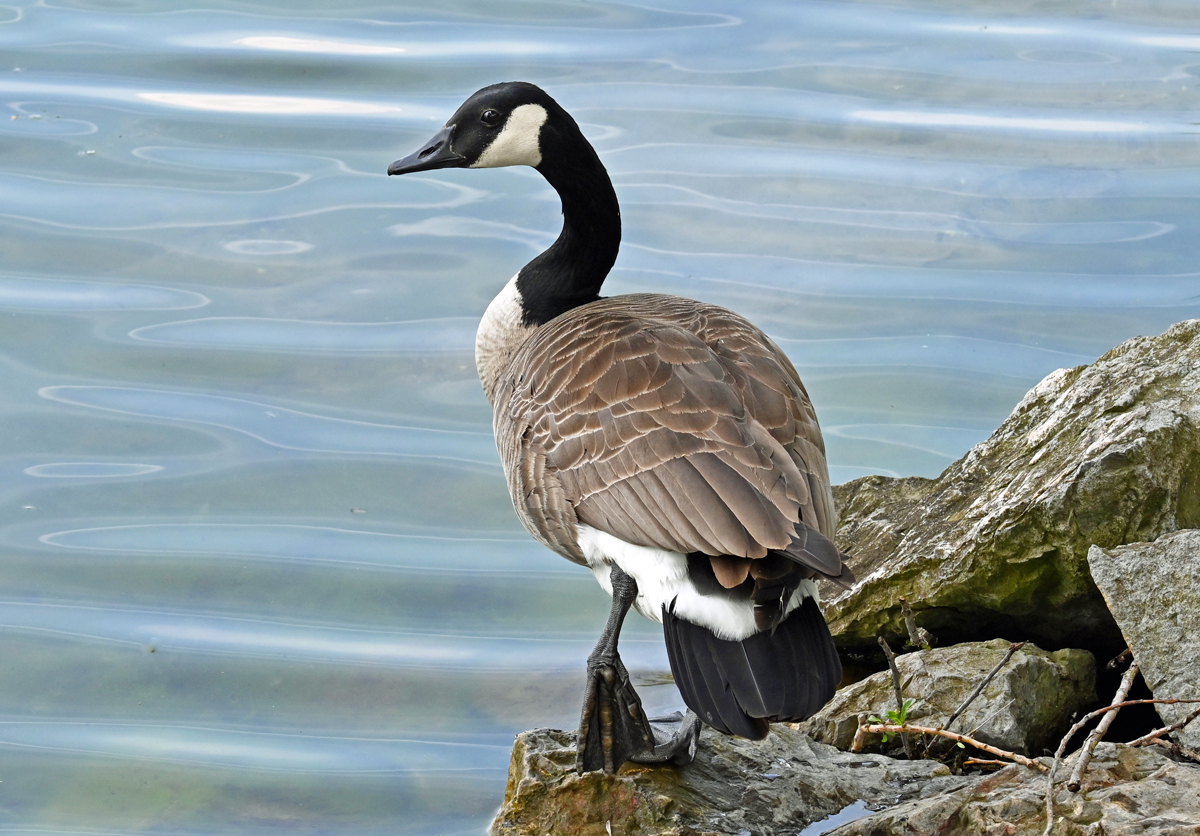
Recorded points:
(570,273)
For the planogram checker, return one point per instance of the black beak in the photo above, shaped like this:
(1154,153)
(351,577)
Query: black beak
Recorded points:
(435,153)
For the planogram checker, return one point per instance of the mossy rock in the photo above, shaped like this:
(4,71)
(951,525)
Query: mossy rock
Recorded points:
(1105,455)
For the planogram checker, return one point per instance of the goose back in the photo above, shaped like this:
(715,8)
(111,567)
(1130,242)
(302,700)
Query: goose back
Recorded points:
(668,423)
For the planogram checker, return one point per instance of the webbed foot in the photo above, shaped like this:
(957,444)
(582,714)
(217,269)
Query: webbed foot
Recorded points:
(676,737)
(613,727)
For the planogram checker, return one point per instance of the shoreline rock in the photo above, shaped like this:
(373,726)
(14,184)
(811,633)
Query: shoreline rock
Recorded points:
(772,787)
(1026,708)
(1106,454)
(1125,792)
(779,786)
(1153,590)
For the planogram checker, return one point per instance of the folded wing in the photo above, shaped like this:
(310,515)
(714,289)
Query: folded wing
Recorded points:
(667,423)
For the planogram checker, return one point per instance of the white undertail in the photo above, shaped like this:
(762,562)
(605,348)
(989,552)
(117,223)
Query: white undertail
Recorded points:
(662,578)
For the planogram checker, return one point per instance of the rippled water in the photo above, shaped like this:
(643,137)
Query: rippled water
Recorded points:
(260,571)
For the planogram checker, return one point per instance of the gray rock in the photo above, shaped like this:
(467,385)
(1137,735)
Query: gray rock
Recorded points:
(1153,590)
(1026,707)
(1106,454)
(771,787)
(1125,792)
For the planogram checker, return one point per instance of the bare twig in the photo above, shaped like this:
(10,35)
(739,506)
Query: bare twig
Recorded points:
(1120,659)
(891,728)
(1153,736)
(1091,715)
(900,712)
(917,636)
(991,714)
(860,736)
(984,762)
(1062,746)
(1182,751)
(979,689)
(1089,745)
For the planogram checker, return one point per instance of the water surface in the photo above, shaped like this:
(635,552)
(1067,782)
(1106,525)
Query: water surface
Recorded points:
(259,567)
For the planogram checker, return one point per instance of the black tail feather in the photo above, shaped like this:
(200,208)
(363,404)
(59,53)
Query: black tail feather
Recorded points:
(739,687)
(700,665)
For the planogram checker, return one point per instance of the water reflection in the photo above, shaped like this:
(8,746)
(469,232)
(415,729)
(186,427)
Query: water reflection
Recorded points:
(242,749)
(261,564)
(315,544)
(266,246)
(933,351)
(1025,123)
(90,470)
(281,43)
(267,105)
(454,226)
(1049,233)
(288,429)
(63,295)
(429,335)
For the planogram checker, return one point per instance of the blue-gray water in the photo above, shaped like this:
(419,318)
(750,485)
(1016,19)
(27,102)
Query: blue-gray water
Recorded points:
(259,569)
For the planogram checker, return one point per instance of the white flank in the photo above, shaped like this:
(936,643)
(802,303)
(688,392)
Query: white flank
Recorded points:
(500,333)
(517,143)
(662,577)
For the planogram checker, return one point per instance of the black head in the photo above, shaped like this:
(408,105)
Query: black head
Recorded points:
(504,124)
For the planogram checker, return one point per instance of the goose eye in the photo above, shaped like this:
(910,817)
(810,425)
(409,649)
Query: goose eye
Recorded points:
(490,117)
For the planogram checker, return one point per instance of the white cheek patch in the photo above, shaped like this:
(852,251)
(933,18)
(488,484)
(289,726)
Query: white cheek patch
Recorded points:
(517,143)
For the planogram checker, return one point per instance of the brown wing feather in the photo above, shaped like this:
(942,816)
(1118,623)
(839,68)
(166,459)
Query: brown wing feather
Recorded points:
(665,422)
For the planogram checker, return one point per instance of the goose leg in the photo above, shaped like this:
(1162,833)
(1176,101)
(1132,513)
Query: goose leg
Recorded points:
(613,727)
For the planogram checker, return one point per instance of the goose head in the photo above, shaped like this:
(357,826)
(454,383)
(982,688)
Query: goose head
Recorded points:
(517,123)
(504,124)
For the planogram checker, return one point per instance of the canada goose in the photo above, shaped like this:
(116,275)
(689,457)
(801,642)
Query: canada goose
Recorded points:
(666,444)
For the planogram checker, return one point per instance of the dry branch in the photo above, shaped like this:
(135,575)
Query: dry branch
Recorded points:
(979,689)
(1094,714)
(1083,721)
(900,713)
(1089,745)
(891,728)
(1153,736)
(917,636)
(1175,749)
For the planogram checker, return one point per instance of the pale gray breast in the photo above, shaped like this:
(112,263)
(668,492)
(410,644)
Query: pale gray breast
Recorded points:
(665,422)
